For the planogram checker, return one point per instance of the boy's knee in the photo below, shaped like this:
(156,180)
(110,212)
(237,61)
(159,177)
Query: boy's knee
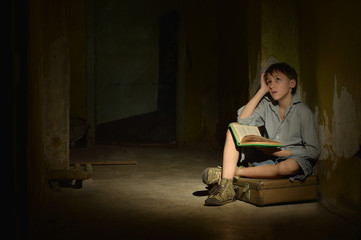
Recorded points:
(288,167)
(229,133)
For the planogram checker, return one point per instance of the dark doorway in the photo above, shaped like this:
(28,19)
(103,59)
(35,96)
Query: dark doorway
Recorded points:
(157,126)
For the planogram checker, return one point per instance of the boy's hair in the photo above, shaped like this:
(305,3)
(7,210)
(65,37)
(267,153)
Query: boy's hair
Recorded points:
(286,69)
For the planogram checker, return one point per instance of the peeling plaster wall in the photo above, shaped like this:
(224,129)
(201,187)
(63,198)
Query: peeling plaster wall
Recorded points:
(346,130)
(341,140)
(330,39)
(339,164)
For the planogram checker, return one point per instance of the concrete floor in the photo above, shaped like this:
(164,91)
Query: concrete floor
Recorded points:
(162,197)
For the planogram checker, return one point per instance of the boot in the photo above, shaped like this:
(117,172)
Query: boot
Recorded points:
(213,175)
(225,194)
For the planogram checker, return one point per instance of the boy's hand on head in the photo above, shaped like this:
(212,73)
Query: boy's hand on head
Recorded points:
(252,104)
(264,87)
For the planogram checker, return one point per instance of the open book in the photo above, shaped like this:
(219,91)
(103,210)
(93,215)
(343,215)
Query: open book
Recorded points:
(251,136)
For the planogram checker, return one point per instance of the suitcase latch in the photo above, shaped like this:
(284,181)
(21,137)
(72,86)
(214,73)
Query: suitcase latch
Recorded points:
(246,191)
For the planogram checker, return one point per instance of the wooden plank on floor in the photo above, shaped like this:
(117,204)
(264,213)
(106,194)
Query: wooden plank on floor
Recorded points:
(99,162)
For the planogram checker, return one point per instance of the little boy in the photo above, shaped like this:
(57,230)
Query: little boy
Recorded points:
(286,119)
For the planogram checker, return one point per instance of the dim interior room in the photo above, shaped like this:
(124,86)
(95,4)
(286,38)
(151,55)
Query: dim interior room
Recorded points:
(138,94)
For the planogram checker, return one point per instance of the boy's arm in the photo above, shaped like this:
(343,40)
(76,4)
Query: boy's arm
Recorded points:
(252,104)
(276,152)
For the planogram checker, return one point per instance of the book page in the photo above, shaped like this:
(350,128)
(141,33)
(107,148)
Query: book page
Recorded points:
(259,141)
(243,130)
(250,136)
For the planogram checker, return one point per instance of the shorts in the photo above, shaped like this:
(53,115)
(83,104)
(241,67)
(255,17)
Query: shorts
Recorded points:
(258,158)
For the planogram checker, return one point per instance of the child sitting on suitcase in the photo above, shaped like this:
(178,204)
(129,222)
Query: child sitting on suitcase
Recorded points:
(286,119)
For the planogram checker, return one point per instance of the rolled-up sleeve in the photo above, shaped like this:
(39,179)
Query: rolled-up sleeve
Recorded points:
(256,118)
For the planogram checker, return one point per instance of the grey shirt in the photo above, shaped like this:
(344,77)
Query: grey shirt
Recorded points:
(297,131)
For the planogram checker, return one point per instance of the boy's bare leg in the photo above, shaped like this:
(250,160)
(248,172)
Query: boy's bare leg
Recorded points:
(230,157)
(282,169)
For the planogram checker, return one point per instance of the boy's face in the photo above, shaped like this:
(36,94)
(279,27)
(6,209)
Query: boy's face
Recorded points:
(279,85)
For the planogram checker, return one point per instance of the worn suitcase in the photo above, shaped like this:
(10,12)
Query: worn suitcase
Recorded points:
(262,192)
